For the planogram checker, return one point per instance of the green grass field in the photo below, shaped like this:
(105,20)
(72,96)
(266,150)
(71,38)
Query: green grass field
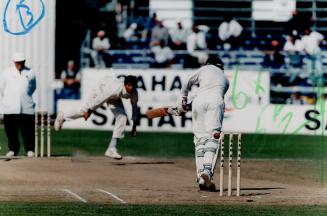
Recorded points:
(171,145)
(140,210)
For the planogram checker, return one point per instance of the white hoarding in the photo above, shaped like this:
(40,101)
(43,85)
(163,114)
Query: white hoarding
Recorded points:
(247,104)
(161,88)
(271,119)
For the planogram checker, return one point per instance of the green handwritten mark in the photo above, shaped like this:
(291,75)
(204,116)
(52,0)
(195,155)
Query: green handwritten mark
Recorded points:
(237,98)
(258,87)
(287,118)
(322,110)
(258,128)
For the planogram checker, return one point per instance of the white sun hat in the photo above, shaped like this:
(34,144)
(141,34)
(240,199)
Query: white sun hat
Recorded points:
(18,57)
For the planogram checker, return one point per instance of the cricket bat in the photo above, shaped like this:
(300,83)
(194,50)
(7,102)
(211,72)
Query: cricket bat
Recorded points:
(164,111)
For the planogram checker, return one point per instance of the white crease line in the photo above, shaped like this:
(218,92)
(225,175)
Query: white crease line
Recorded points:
(111,194)
(75,195)
(293,197)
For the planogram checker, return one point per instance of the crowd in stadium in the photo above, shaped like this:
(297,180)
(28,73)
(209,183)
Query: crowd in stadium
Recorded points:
(181,45)
(293,55)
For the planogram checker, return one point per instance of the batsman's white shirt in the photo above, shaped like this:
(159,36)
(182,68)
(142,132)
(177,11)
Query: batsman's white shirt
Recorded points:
(16,91)
(208,105)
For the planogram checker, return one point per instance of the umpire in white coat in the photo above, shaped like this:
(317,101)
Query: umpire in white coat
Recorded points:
(17,85)
(207,116)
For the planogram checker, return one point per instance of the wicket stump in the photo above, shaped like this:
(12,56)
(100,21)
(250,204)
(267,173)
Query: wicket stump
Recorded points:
(230,165)
(42,118)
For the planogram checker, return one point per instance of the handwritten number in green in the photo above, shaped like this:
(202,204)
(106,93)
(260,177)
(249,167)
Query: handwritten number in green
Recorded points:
(237,97)
(258,87)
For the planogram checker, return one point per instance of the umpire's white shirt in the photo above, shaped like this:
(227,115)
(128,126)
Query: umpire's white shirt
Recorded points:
(16,90)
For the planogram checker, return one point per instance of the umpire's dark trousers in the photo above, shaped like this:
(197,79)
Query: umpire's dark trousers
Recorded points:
(19,122)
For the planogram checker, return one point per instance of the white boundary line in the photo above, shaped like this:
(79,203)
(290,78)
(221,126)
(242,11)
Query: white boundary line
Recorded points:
(75,195)
(113,195)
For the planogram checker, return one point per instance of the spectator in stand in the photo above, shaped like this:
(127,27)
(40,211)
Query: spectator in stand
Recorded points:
(129,34)
(204,29)
(72,80)
(141,31)
(100,46)
(136,16)
(297,24)
(273,58)
(294,49)
(229,32)
(163,55)
(159,33)
(178,37)
(311,43)
(296,99)
(196,47)
(151,23)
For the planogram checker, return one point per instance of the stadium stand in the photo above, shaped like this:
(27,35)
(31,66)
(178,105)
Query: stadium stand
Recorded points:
(256,37)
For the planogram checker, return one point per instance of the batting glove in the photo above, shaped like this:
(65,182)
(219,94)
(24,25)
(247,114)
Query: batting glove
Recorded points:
(182,105)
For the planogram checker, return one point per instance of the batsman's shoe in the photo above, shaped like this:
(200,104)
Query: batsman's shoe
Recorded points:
(202,184)
(30,154)
(210,186)
(10,154)
(112,153)
(59,121)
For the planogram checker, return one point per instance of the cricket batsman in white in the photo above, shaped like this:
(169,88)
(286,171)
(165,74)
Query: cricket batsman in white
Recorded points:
(207,116)
(110,91)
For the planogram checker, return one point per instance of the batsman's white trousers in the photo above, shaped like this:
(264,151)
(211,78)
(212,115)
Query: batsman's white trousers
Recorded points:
(207,115)
(207,118)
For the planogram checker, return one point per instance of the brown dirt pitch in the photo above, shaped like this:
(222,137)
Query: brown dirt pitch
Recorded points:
(136,180)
